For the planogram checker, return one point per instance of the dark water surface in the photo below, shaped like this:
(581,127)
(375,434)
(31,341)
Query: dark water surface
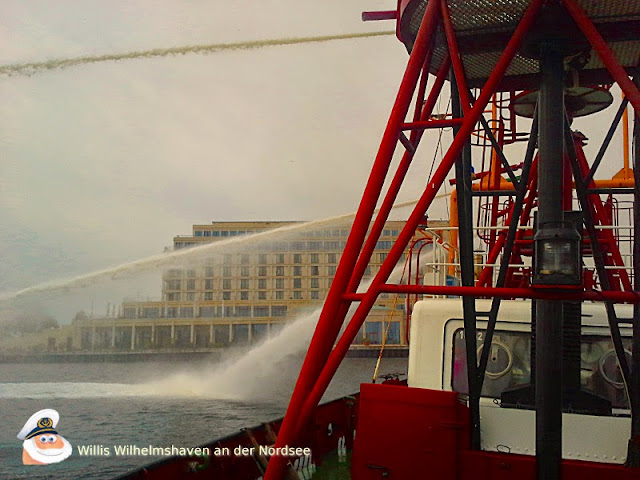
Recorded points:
(103,404)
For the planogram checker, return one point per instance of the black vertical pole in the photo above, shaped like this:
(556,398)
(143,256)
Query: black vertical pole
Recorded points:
(465,233)
(549,312)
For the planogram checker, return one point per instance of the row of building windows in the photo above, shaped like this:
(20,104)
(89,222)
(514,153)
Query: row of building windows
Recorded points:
(245,259)
(244,284)
(313,233)
(207,312)
(264,270)
(221,233)
(373,333)
(284,246)
(243,295)
(208,284)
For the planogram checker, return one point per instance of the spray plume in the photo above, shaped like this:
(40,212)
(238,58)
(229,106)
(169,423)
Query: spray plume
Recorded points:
(264,372)
(261,373)
(28,69)
(168,259)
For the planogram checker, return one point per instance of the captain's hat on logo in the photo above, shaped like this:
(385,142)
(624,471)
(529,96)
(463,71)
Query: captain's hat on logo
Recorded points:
(44,421)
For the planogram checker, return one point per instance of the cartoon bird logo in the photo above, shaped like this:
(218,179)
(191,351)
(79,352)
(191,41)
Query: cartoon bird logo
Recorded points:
(42,443)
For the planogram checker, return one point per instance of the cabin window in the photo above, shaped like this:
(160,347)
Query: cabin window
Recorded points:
(509,365)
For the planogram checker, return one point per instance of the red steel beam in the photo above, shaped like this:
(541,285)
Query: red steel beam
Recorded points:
(503,292)
(329,323)
(605,53)
(422,88)
(456,59)
(379,15)
(426,124)
(416,217)
(396,184)
(394,188)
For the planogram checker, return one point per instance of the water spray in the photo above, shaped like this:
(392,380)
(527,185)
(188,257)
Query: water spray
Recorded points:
(168,259)
(32,68)
(253,374)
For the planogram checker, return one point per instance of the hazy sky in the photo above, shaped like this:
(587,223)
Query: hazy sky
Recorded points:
(104,163)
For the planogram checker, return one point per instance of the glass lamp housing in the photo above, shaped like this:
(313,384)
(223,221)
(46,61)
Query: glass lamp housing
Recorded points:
(557,256)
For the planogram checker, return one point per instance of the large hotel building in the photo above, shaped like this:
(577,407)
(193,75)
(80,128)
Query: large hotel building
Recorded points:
(244,291)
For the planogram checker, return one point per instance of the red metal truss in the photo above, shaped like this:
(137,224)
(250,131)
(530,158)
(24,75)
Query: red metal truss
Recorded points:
(323,358)
(319,367)
(335,307)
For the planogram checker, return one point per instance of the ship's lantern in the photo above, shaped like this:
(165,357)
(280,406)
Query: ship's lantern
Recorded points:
(557,253)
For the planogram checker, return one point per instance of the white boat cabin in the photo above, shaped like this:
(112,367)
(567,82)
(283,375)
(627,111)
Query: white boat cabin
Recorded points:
(437,361)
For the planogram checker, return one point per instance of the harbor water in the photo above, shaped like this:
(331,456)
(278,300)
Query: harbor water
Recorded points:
(159,404)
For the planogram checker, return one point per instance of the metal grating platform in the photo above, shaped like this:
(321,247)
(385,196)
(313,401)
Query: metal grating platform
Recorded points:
(483,28)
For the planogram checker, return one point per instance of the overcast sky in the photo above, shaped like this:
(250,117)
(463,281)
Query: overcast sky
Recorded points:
(105,163)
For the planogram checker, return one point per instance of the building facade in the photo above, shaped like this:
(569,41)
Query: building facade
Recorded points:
(245,290)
